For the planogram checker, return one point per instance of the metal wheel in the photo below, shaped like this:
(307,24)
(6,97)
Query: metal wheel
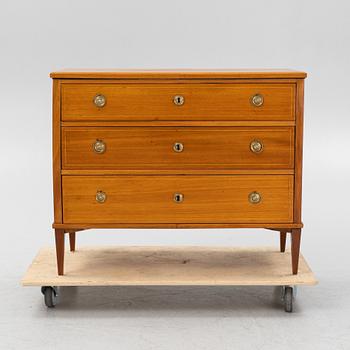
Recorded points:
(288,299)
(50,296)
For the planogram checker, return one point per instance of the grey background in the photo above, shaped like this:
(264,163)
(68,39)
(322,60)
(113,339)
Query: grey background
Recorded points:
(37,37)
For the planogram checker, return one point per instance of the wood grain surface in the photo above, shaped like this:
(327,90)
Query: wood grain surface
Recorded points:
(116,225)
(152,148)
(149,199)
(140,172)
(299,130)
(155,102)
(177,73)
(56,150)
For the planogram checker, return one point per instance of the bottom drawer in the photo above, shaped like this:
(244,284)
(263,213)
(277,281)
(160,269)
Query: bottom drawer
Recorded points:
(178,199)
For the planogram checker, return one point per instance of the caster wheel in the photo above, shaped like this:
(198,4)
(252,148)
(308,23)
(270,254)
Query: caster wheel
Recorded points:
(50,296)
(288,299)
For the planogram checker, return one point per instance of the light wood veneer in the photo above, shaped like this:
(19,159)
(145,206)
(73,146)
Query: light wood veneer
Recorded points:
(153,148)
(155,102)
(215,120)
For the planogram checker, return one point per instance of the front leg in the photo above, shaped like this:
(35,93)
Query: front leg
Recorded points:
(59,238)
(296,237)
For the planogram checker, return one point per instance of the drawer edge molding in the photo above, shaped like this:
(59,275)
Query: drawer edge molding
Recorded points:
(107,172)
(170,123)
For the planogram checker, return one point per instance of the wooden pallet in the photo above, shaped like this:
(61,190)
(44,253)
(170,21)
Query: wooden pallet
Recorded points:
(120,266)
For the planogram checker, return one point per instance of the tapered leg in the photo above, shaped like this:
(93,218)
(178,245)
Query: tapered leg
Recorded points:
(72,241)
(283,236)
(296,237)
(59,237)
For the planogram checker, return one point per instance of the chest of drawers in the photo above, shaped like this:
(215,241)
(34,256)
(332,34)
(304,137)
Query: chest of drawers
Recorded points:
(177,149)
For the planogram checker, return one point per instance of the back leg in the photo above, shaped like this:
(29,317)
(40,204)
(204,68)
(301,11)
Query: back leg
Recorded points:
(72,241)
(283,236)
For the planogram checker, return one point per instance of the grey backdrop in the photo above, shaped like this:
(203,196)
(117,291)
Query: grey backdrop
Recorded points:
(37,37)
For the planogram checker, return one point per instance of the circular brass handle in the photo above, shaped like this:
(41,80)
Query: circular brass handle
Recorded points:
(257,100)
(178,197)
(99,146)
(178,147)
(256,146)
(254,197)
(101,197)
(178,100)
(100,100)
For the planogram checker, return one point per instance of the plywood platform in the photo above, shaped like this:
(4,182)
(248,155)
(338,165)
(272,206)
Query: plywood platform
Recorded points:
(113,266)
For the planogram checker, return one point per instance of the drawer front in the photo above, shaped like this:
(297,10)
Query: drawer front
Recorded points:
(193,102)
(177,148)
(178,199)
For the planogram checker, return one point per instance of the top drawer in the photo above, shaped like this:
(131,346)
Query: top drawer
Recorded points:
(120,101)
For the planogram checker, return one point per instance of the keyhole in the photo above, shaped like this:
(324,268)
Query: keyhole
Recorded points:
(178,100)
(178,147)
(178,197)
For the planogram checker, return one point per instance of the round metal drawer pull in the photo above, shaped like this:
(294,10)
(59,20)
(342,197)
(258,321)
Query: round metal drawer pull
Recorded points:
(256,146)
(178,100)
(100,100)
(101,197)
(178,147)
(99,146)
(254,197)
(257,100)
(178,197)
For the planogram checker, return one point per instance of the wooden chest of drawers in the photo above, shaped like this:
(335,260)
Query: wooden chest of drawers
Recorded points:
(177,149)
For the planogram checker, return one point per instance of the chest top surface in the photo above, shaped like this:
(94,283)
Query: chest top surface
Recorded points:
(177,74)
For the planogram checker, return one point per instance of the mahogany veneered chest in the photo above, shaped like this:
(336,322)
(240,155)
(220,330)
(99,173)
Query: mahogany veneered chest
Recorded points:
(177,149)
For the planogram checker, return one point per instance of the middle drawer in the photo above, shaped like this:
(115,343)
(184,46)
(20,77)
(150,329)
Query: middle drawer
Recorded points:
(177,147)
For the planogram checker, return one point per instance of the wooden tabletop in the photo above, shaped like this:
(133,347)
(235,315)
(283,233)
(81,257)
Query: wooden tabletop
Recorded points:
(177,74)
